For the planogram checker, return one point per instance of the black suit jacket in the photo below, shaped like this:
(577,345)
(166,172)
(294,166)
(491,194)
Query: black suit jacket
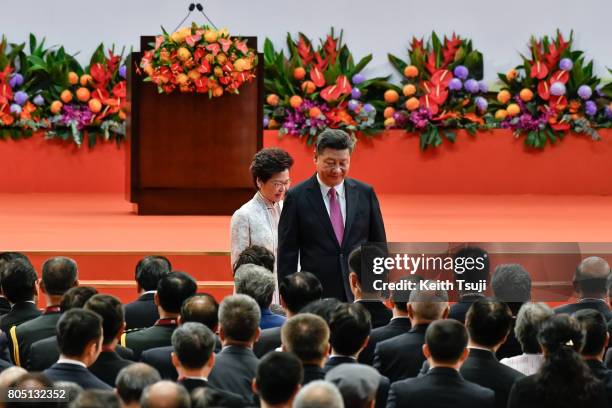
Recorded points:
(441,387)
(108,365)
(141,313)
(305,232)
(19,313)
(459,309)
(76,374)
(595,304)
(312,373)
(401,356)
(600,371)
(380,314)
(5,305)
(224,398)
(394,328)
(30,332)
(145,339)
(234,370)
(269,340)
(383,387)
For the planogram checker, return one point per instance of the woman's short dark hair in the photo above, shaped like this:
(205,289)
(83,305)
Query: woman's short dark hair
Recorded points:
(269,161)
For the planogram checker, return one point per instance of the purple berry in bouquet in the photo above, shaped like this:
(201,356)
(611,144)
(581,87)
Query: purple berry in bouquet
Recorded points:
(355,93)
(461,72)
(590,108)
(358,78)
(21,97)
(566,64)
(123,71)
(481,103)
(483,87)
(585,92)
(266,121)
(471,85)
(369,108)
(608,112)
(39,100)
(353,105)
(16,80)
(557,89)
(16,109)
(455,84)
(598,91)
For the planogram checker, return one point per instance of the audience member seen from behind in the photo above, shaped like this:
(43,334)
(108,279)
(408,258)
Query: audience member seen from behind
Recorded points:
(470,272)
(258,283)
(318,394)
(279,378)
(132,380)
(165,394)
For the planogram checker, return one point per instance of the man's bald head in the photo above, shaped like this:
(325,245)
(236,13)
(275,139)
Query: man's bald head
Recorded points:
(165,394)
(591,277)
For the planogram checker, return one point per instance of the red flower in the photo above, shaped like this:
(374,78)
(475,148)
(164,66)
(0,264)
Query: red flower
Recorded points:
(539,70)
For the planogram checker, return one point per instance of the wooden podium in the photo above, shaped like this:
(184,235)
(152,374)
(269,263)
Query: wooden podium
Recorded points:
(190,154)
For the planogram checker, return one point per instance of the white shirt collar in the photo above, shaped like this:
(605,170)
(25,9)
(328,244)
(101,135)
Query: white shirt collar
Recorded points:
(65,360)
(195,378)
(325,188)
(149,291)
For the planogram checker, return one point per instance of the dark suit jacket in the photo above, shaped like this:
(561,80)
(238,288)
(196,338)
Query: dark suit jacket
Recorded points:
(441,387)
(141,313)
(380,314)
(511,347)
(600,371)
(305,232)
(270,320)
(19,313)
(394,328)
(145,339)
(459,309)
(312,373)
(383,387)
(30,332)
(599,305)
(525,394)
(269,340)
(108,365)
(234,370)
(5,305)
(401,356)
(75,374)
(225,398)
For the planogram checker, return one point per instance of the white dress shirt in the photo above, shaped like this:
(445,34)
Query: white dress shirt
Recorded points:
(527,364)
(340,194)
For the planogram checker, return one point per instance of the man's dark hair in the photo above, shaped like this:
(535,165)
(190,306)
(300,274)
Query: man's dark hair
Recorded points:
(488,322)
(76,328)
(256,255)
(334,139)
(19,281)
(307,336)
(268,162)
(7,257)
(474,271)
(511,283)
(299,289)
(594,324)
(96,399)
(76,297)
(150,269)
(322,308)
(110,309)
(133,379)
(173,289)
(201,308)
(400,298)
(350,325)
(446,340)
(239,317)
(58,275)
(193,344)
(278,377)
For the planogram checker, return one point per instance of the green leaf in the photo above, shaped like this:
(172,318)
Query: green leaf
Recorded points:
(398,63)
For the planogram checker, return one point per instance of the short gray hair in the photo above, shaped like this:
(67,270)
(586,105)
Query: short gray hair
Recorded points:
(428,304)
(257,282)
(193,344)
(528,322)
(239,317)
(318,394)
(511,283)
(133,379)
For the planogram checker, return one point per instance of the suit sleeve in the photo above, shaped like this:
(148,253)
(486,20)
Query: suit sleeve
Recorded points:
(391,403)
(377,225)
(240,235)
(288,237)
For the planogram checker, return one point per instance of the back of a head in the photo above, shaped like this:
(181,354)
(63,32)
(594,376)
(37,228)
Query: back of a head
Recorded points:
(511,283)
(594,325)
(58,275)
(318,394)
(323,308)
(133,379)
(256,255)
(278,377)
(591,277)
(299,289)
(76,328)
(335,139)
(96,399)
(31,381)
(110,309)
(471,264)
(150,269)
(18,280)
(528,323)
(165,394)
(207,397)
(401,297)
(11,374)
(358,383)
(446,340)
(193,344)
(350,326)
(7,257)
(77,297)
(256,282)
(307,336)
(239,317)
(488,322)
(201,308)
(428,305)
(173,289)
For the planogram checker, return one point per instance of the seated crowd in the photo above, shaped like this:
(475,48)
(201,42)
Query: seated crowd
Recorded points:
(175,348)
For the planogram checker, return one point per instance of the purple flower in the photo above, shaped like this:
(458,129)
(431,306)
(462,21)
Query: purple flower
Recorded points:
(585,92)
(608,112)
(455,84)
(598,91)
(75,113)
(123,71)
(471,85)
(297,121)
(420,118)
(400,118)
(566,64)
(557,89)
(21,97)
(353,105)
(369,108)
(483,87)
(481,103)
(590,108)
(16,80)
(461,72)
(266,121)
(39,100)
(16,109)
(358,78)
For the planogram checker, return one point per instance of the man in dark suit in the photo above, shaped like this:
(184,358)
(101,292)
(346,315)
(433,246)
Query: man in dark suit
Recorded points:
(165,394)
(200,308)
(19,287)
(402,356)
(358,384)
(5,259)
(132,380)
(193,359)
(307,336)
(143,312)
(442,386)
(279,376)
(325,217)
(236,365)
(590,281)
(296,291)
(59,274)
(172,290)
(109,363)
(473,272)
(79,335)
